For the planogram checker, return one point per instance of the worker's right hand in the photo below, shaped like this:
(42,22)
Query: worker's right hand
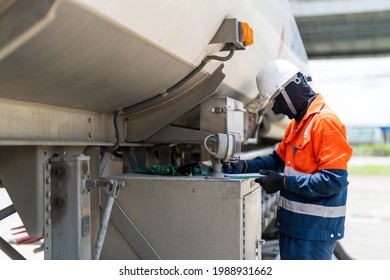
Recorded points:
(271,182)
(233,167)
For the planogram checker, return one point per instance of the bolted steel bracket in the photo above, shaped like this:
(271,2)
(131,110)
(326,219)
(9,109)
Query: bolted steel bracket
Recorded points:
(111,186)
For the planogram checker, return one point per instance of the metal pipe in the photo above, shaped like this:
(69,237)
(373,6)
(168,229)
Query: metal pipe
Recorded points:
(118,136)
(8,211)
(10,251)
(103,227)
(112,191)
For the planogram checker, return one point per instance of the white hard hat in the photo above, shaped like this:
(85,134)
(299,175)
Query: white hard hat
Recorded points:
(273,77)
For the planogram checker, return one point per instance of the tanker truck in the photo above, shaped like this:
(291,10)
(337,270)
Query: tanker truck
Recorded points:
(115,116)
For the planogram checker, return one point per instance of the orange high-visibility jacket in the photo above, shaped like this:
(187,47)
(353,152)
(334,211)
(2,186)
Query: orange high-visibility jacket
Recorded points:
(313,155)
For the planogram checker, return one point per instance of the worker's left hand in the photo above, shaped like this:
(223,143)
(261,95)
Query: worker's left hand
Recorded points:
(233,167)
(272,182)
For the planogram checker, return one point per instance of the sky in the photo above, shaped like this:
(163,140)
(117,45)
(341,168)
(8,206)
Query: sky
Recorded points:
(356,89)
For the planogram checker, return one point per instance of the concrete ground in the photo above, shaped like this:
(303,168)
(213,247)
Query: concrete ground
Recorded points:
(368,212)
(367,235)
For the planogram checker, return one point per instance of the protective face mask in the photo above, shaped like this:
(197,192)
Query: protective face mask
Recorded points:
(301,96)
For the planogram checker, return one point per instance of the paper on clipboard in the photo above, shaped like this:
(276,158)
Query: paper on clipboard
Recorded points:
(244,175)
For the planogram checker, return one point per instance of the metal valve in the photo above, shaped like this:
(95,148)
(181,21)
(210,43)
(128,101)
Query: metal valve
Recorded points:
(223,146)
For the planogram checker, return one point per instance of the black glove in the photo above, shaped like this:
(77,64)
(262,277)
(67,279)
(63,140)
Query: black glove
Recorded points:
(272,182)
(234,167)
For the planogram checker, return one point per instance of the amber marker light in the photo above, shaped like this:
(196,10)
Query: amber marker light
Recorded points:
(246,34)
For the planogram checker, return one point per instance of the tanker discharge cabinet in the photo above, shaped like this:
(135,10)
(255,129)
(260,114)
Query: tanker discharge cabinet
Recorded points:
(181,217)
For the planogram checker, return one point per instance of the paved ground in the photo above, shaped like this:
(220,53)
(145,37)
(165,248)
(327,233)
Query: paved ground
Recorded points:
(367,234)
(368,213)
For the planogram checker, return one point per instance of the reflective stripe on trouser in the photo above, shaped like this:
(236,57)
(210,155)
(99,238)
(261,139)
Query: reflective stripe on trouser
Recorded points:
(298,249)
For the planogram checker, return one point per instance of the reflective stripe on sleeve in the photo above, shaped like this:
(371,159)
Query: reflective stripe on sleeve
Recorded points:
(289,171)
(312,209)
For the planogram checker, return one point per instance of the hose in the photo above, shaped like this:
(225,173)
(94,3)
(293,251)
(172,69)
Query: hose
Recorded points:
(103,162)
(117,135)
(200,67)
(340,253)
(189,76)
(222,58)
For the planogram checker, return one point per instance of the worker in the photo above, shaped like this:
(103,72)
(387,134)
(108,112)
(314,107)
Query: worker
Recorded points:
(308,167)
